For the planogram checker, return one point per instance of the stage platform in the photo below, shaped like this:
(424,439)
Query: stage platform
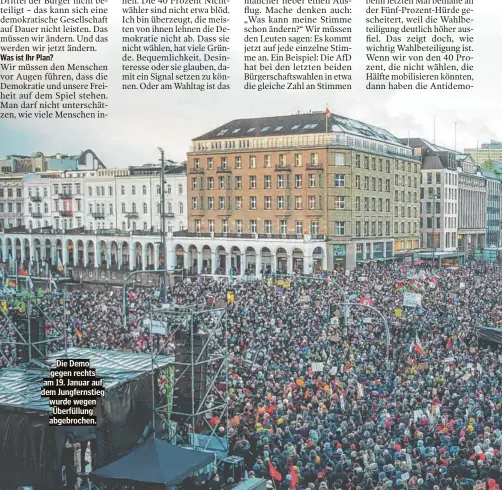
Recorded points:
(36,449)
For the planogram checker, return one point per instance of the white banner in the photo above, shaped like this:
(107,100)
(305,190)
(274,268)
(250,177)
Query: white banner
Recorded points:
(412,299)
(155,326)
(317,367)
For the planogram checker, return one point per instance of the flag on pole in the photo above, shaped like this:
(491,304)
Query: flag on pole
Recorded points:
(417,346)
(274,472)
(10,283)
(60,265)
(328,115)
(22,272)
(78,332)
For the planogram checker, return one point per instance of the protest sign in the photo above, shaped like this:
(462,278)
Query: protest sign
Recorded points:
(412,299)
(317,367)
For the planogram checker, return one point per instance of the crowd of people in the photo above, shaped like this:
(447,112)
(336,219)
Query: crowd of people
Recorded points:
(318,403)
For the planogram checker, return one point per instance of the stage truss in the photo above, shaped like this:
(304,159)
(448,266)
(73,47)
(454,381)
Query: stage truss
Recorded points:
(211,356)
(24,306)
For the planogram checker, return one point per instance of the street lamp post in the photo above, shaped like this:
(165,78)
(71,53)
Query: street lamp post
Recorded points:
(163,231)
(164,272)
(164,251)
(339,287)
(386,326)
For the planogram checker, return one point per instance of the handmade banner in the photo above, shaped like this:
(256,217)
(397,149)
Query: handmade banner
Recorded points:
(412,299)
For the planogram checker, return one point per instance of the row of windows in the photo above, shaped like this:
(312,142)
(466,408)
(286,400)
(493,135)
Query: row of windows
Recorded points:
(402,181)
(9,207)
(268,227)
(339,228)
(449,222)
(378,164)
(372,184)
(450,207)
(9,224)
(67,224)
(100,208)
(369,204)
(380,228)
(10,192)
(341,139)
(100,191)
(282,182)
(282,160)
(281,202)
(267,162)
(450,240)
(434,192)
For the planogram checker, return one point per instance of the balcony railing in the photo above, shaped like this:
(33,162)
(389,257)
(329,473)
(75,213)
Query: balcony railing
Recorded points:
(132,215)
(195,170)
(99,215)
(66,213)
(65,195)
(168,215)
(36,214)
(36,198)
(283,168)
(313,166)
(223,169)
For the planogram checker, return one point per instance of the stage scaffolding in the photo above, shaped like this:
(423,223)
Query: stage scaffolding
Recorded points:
(202,335)
(21,308)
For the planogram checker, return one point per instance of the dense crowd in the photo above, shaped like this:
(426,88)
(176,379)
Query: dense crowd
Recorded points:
(318,404)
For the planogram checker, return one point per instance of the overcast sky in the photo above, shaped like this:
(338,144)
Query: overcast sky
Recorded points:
(139,122)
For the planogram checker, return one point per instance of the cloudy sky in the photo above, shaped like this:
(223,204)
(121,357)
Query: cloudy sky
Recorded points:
(139,122)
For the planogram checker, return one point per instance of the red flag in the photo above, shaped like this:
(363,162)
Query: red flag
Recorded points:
(365,300)
(22,272)
(327,112)
(274,472)
(449,343)
(294,478)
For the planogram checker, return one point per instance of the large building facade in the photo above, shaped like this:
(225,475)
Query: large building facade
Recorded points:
(125,199)
(11,201)
(100,217)
(493,204)
(453,199)
(299,193)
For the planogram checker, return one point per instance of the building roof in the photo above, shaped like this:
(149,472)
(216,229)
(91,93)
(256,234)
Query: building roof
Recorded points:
(422,143)
(155,169)
(20,386)
(432,162)
(486,172)
(308,123)
(491,166)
